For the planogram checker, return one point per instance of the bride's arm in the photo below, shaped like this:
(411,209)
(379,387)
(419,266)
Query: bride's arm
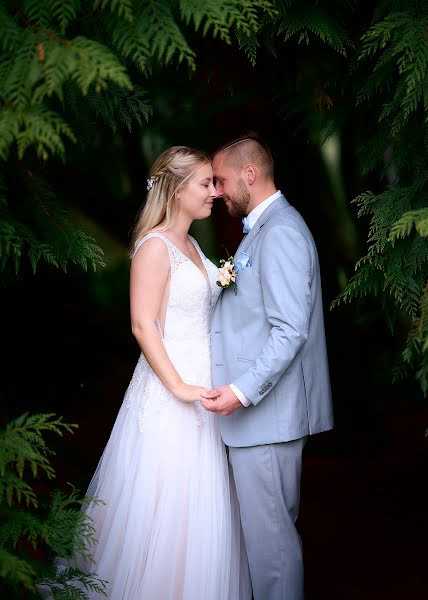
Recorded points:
(149,277)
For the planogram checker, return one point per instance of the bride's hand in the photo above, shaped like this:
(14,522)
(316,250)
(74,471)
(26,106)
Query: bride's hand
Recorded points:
(189,393)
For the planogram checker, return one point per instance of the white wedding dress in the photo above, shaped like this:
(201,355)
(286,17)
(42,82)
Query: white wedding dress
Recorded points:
(169,528)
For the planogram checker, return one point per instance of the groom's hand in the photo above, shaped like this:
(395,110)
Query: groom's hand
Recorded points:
(221,400)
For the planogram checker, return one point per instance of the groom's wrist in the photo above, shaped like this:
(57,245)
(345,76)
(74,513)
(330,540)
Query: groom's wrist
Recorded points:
(241,397)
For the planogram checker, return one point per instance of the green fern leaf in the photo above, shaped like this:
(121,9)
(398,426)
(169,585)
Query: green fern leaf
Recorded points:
(124,8)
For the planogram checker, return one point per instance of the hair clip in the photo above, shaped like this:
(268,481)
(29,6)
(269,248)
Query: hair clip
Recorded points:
(151,181)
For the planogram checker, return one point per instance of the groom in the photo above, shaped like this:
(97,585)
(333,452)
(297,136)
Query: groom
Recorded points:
(269,364)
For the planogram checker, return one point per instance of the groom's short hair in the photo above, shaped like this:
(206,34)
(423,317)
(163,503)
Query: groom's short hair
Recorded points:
(248,148)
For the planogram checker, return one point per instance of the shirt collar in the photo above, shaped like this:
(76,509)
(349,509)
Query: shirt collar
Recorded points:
(253,216)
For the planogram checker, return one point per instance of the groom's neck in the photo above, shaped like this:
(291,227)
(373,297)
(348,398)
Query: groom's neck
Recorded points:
(260,193)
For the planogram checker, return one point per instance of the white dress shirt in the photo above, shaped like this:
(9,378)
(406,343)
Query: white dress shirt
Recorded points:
(252,217)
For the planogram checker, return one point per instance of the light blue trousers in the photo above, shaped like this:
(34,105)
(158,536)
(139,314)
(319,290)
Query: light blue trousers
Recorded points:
(267,480)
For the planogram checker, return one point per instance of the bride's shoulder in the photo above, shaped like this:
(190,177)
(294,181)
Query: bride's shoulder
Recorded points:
(152,246)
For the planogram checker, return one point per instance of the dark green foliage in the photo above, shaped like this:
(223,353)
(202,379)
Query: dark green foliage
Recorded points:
(22,446)
(307,21)
(396,265)
(42,231)
(120,107)
(39,57)
(62,63)
(27,529)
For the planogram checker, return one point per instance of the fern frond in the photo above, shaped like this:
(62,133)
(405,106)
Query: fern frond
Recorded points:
(12,488)
(14,570)
(37,12)
(123,8)
(63,585)
(249,44)
(118,106)
(97,66)
(65,530)
(302,22)
(64,12)
(10,38)
(416,218)
(130,42)
(19,71)
(156,23)
(222,16)
(47,234)
(22,446)
(43,129)
(18,525)
(37,126)
(399,41)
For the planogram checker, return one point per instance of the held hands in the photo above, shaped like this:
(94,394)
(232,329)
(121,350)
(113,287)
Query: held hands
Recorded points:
(221,400)
(189,393)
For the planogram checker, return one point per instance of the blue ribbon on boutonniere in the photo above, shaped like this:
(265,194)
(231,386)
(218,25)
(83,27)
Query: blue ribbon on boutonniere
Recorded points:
(243,262)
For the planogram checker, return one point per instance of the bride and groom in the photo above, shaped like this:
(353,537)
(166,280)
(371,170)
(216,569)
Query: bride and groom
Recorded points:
(244,367)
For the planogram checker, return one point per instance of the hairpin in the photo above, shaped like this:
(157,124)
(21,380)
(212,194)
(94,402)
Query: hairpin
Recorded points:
(151,181)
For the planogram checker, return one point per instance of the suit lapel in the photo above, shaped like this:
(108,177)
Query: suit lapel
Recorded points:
(278,204)
(239,249)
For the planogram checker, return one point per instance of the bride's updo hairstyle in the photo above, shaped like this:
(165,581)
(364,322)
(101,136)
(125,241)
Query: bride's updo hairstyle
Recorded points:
(169,173)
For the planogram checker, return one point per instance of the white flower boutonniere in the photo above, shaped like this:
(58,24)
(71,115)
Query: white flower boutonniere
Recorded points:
(227,274)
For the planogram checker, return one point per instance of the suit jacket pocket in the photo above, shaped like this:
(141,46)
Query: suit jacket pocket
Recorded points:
(243,364)
(243,359)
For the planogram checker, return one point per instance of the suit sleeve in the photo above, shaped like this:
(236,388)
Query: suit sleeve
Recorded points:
(286,268)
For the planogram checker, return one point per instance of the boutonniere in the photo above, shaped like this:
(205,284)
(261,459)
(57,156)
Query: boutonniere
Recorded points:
(227,274)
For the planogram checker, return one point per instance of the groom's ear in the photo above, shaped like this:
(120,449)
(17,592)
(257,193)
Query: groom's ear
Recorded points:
(250,173)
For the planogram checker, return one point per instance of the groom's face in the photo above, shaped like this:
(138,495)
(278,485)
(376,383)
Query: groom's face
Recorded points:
(231,187)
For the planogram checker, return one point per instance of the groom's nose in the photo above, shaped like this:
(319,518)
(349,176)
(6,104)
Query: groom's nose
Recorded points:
(219,189)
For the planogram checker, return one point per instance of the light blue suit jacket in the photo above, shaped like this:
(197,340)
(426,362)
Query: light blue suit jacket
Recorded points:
(269,339)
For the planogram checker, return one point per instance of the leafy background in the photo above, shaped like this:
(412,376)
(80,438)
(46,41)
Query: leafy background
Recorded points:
(90,93)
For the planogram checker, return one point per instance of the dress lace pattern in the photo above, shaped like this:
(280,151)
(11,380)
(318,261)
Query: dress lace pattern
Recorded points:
(186,334)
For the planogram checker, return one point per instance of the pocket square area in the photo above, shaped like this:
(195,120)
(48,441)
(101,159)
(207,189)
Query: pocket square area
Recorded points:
(243,261)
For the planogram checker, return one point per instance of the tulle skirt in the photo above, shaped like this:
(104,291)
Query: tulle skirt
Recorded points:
(169,527)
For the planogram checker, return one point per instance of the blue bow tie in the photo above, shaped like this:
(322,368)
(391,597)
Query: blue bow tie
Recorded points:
(246,227)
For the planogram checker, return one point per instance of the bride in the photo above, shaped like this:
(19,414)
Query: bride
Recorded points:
(169,528)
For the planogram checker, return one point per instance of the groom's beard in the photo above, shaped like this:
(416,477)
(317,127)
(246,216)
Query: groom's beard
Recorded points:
(238,202)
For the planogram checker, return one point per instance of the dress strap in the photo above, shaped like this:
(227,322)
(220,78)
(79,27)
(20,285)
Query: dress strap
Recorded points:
(198,248)
(175,256)
(147,237)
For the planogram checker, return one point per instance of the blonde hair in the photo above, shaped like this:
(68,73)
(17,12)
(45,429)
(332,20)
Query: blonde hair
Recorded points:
(170,171)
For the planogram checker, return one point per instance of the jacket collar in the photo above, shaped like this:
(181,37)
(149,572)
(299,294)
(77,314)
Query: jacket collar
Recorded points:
(276,205)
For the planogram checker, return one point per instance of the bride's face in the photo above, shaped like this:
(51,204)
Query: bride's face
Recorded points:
(197,196)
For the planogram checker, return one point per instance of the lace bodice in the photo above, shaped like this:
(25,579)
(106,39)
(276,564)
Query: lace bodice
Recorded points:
(186,331)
